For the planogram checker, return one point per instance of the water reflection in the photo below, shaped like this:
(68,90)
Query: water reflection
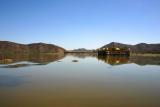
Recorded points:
(114,60)
(36,58)
(82,55)
(118,60)
(19,65)
(43,59)
(145,60)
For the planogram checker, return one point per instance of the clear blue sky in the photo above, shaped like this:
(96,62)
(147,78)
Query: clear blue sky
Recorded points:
(80,23)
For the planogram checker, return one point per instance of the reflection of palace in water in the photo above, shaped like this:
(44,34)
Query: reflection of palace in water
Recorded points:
(114,60)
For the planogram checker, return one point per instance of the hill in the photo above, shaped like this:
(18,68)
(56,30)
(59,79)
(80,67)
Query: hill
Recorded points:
(11,47)
(138,48)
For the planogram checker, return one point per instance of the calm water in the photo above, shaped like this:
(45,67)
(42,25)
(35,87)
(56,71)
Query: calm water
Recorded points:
(79,80)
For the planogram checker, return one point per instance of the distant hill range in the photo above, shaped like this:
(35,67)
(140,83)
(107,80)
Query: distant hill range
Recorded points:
(138,48)
(11,47)
(80,50)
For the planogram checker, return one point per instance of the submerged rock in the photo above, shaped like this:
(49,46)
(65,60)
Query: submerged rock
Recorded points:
(74,60)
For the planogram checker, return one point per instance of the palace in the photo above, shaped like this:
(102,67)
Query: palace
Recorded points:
(114,51)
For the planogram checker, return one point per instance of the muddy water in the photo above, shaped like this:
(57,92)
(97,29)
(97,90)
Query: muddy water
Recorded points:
(78,80)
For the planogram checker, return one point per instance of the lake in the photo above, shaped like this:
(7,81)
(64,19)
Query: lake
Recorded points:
(79,80)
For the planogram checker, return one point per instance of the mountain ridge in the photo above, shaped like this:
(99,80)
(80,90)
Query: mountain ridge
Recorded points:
(137,48)
(12,47)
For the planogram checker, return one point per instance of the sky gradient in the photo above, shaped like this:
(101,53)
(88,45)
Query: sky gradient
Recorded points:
(80,23)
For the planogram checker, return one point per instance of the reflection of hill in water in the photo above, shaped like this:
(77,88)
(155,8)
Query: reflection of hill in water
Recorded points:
(145,60)
(42,59)
(117,60)
(140,60)
(81,55)
(36,58)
